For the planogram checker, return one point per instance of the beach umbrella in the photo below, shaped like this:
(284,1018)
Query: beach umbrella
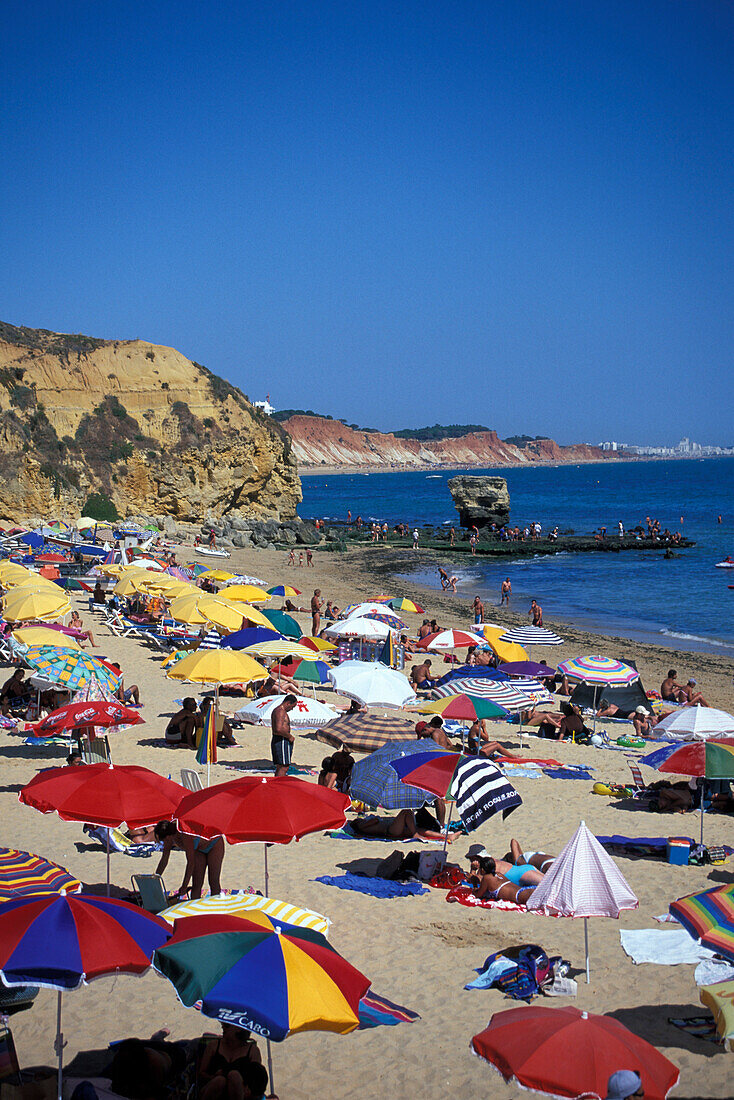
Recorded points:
(287,591)
(695,724)
(386,616)
(311,671)
(61,941)
(318,645)
(504,693)
(278,620)
(35,601)
(372,684)
(584,881)
(217,666)
(506,651)
(262,808)
(475,784)
(69,668)
(708,916)
(528,636)
(358,627)
(204,608)
(240,904)
(241,639)
(464,708)
(599,672)
(354,610)
(272,978)
(45,636)
(365,732)
(719,998)
(128,585)
(281,647)
(216,575)
(402,603)
(527,668)
(101,794)
(703,759)
(307,712)
(247,593)
(531,1044)
(24,873)
(376,783)
(451,639)
(75,716)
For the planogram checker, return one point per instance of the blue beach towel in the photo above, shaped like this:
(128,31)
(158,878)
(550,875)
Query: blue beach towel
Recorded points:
(375,887)
(568,773)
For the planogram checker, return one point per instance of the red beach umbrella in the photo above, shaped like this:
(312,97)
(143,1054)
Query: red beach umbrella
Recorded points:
(451,639)
(531,1045)
(262,808)
(104,795)
(81,715)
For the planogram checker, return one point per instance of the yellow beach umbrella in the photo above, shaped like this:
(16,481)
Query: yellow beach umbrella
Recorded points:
(126,586)
(253,616)
(506,651)
(248,593)
(31,579)
(217,575)
(225,615)
(44,635)
(35,602)
(217,666)
(284,648)
(155,582)
(12,569)
(185,609)
(319,645)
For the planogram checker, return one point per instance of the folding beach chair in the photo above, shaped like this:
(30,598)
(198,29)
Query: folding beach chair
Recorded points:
(96,750)
(191,780)
(152,892)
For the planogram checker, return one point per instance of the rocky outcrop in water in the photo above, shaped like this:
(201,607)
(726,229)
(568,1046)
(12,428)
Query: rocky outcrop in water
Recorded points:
(139,424)
(480,501)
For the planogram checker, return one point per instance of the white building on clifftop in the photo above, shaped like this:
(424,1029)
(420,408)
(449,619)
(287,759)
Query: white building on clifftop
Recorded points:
(265,405)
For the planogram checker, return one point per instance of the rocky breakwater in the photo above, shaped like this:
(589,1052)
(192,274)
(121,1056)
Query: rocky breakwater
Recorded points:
(235,532)
(138,424)
(480,501)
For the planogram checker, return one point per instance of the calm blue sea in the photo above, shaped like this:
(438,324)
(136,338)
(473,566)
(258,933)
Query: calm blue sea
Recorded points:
(684,602)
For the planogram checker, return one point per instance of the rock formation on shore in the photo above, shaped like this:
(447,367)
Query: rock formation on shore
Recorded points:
(480,501)
(135,422)
(318,441)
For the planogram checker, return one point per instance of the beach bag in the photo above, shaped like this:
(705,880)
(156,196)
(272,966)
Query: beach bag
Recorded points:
(430,864)
(391,867)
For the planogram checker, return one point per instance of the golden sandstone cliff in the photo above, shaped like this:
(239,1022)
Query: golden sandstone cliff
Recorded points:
(138,423)
(321,442)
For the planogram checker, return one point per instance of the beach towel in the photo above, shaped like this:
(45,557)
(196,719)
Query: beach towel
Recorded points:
(662,946)
(375,1011)
(465,896)
(375,887)
(121,843)
(40,742)
(267,769)
(526,763)
(713,970)
(700,1027)
(347,833)
(568,773)
(513,772)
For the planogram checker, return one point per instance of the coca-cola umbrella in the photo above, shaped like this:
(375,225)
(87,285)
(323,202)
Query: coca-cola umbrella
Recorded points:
(81,716)
(103,794)
(262,808)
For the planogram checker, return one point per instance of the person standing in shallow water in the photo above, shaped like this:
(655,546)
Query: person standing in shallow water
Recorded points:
(505,592)
(536,613)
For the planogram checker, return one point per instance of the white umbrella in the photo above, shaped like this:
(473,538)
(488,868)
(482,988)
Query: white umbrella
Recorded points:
(307,712)
(359,627)
(584,881)
(695,724)
(372,684)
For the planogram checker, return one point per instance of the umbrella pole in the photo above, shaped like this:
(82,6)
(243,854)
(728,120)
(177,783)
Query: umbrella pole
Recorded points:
(446,836)
(586,946)
(703,791)
(271,1090)
(59,1047)
(596,692)
(267,877)
(108,862)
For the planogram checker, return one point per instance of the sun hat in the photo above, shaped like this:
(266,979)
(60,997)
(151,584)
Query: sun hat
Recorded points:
(421,726)
(640,710)
(623,1083)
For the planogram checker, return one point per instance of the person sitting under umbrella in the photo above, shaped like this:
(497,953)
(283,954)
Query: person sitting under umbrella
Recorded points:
(235,1053)
(76,624)
(225,737)
(147,1069)
(181,729)
(480,744)
(336,770)
(420,676)
(15,694)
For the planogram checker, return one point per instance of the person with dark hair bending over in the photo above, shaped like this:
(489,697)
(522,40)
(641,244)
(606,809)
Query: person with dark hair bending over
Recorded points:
(203,857)
(282,740)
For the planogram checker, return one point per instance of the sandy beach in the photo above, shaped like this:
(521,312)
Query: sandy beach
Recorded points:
(418,951)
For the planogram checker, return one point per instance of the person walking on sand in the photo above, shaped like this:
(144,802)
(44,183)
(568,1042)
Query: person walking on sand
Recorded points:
(478,609)
(316,604)
(415,538)
(452,537)
(473,542)
(505,592)
(536,613)
(282,740)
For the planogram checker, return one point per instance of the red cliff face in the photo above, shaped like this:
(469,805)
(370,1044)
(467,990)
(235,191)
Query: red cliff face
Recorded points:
(321,442)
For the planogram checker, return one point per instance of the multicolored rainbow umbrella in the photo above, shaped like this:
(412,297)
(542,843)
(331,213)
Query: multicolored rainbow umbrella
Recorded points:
(23,873)
(599,671)
(261,974)
(69,668)
(463,707)
(709,918)
(284,590)
(710,759)
(402,603)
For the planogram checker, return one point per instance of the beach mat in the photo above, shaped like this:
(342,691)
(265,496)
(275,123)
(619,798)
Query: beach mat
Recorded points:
(375,887)
(375,1011)
(346,833)
(700,1027)
(568,773)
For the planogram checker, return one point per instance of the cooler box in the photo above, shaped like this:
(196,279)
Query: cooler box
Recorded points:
(679,849)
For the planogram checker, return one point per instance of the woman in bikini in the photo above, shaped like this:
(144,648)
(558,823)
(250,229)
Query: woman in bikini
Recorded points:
(500,887)
(203,857)
(401,827)
(233,1053)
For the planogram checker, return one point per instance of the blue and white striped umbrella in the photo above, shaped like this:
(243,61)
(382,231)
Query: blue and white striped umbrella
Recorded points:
(531,635)
(503,693)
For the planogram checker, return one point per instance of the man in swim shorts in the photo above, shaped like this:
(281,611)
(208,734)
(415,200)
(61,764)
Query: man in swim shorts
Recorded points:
(505,592)
(282,740)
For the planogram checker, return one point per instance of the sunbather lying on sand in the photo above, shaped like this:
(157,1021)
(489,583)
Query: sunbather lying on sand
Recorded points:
(401,827)
(499,887)
(515,867)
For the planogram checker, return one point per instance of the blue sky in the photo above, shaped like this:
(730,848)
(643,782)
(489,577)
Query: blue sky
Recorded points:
(517,214)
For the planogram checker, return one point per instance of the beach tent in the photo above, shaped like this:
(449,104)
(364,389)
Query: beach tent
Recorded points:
(627,697)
